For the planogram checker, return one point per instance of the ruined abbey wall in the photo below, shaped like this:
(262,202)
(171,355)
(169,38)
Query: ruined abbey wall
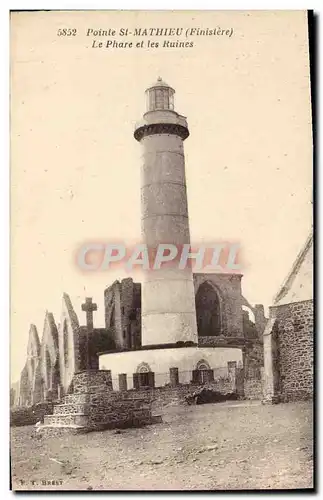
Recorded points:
(294,350)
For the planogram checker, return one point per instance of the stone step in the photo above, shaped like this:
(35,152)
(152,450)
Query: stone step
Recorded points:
(56,430)
(76,398)
(66,420)
(70,408)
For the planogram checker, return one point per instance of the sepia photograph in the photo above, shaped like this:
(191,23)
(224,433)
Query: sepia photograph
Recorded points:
(162,306)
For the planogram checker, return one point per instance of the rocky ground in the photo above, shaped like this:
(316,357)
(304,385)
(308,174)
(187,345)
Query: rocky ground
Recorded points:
(225,446)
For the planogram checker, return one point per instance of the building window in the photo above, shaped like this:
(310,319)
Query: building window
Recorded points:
(144,377)
(124,333)
(159,99)
(122,310)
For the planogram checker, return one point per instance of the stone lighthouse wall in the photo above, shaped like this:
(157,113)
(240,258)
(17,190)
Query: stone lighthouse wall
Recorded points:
(168,300)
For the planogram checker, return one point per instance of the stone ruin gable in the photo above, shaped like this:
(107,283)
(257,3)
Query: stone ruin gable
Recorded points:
(68,342)
(298,286)
(38,388)
(12,397)
(112,306)
(24,397)
(122,302)
(28,380)
(100,340)
(253,351)
(249,327)
(14,393)
(49,358)
(33,352)
(288,338)
(254,330)
(30,391)
(130,319)
(228,288)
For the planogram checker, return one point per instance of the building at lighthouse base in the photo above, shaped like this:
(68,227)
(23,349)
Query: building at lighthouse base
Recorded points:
(158,367)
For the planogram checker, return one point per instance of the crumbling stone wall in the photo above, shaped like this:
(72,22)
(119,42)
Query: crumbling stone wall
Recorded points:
(294,325)
(30,415)
(49,358)
(253,363)
(131,321)
(100,340)
(68,343)
(30,385)
(228,287)
(174,396)
(123,313)
(95,405)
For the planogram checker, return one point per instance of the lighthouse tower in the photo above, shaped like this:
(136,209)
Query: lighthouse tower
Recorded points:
(168,301)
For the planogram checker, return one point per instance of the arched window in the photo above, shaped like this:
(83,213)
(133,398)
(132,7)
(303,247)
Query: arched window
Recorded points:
(208,311)
(145,377)
(203,365)
(143,368)
(203,372)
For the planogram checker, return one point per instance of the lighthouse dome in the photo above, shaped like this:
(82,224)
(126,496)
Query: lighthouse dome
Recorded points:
(160,83)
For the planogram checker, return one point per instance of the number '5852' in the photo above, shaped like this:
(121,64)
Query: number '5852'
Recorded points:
(66,32)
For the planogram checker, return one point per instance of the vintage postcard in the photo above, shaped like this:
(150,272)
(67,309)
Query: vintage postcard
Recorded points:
(161,250)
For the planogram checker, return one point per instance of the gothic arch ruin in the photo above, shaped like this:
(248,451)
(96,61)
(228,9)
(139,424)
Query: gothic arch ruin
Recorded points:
(209,314)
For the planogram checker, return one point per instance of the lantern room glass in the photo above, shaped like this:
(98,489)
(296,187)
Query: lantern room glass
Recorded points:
(159,98)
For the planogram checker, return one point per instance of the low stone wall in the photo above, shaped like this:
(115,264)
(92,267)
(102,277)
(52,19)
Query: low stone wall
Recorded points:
(289,353)
(173,396)
(118,410)
(253,389)
(295,347)
(94,405)
(30,415)
(253,370)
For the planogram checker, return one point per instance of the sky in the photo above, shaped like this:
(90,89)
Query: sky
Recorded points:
(75,166)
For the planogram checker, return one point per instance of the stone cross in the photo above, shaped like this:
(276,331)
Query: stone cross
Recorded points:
(88,307)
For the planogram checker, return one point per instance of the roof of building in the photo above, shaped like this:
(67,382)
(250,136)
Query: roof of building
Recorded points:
(160,83)
(298,285)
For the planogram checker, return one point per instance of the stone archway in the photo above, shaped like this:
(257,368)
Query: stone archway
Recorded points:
(208,311)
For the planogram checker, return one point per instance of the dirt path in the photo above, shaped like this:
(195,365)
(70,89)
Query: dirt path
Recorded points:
(237,445)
